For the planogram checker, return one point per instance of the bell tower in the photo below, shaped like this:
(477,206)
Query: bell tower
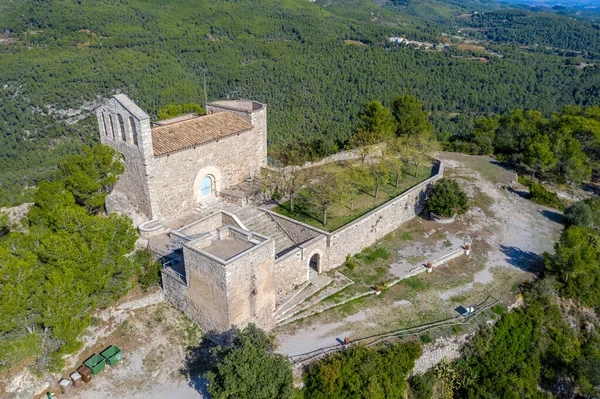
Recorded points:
(126,128)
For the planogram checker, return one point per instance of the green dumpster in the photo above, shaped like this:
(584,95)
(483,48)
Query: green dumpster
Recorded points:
(95,363)
(112,354)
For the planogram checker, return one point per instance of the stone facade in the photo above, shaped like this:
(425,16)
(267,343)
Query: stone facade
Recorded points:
(165,186)
(226,293)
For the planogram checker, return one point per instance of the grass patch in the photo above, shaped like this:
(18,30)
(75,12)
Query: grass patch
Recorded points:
(341,215)
(459,299)
(415,282)
(499,309)
(370,255)
(426,338)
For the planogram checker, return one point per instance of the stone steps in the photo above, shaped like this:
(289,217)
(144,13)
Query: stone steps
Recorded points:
(312,305)
(265,225)
(316,284)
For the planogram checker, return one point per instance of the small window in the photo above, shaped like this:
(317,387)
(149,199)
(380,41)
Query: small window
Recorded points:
(112,130)
(133,130)
(206,187)
(104,123)
(122,128)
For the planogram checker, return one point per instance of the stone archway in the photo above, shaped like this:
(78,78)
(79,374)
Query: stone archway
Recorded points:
(207,183)
(314,263)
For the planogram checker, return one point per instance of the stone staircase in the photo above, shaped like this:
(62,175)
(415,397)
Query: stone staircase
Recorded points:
(306,291)
(264,224)
(309,299)
(208,206)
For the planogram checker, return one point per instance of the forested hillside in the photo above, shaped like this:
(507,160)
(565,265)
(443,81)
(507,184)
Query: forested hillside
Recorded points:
(528,28)
(58,56)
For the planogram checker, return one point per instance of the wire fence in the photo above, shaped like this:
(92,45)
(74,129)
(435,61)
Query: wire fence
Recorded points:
(462,319)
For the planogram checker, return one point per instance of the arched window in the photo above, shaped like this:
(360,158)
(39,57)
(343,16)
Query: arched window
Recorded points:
(133,130)
(112,126)
(104,123)
(122,128)
(206,187)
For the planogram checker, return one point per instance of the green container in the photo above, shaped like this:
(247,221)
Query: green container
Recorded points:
(95,363)
(112,354)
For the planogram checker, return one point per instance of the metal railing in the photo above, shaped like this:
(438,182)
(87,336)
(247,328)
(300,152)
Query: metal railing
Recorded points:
(318,354)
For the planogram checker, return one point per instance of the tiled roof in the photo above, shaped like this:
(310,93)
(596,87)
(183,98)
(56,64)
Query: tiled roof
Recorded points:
(196,131)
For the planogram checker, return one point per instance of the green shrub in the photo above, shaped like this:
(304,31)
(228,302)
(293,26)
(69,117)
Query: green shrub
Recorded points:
(498,309)
(579,214)
(457,329)
(524,180)
(541,195)
(150,269)
(447,198)
(426,338)
(350,264)
(421,386)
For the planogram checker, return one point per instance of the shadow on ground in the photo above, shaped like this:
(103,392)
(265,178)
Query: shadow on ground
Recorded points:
(554,216)
(200,358)
(520,193)
(524,260)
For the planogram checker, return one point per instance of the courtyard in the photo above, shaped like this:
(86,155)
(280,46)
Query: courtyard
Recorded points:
(362,200)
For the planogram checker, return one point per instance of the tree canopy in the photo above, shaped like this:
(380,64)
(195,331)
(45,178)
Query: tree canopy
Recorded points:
(447,198)
(362,372)
(68,263)
(249,368)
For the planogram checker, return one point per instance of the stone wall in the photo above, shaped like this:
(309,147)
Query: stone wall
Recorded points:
(366,230)
(175,289)
(289,272)
(204,225)
(251,287)
(229,161)
(131,194)
(207,292)
(299,233)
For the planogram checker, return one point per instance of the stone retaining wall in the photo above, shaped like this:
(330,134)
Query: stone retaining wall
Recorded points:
(366,230)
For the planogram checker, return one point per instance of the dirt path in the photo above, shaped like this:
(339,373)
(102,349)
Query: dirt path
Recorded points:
(513,230)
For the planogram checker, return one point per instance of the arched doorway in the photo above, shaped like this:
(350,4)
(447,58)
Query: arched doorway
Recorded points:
(206,187)
(315,263)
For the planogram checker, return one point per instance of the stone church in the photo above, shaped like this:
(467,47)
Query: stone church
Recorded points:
(175,164)
(189,185)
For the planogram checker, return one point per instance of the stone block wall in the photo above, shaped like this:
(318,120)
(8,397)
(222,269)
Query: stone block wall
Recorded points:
(207,302)
(229,161)
(205,225)
(175,290)
(251,287)
(366,230)
(290,272)
(125,131)
(299,233)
